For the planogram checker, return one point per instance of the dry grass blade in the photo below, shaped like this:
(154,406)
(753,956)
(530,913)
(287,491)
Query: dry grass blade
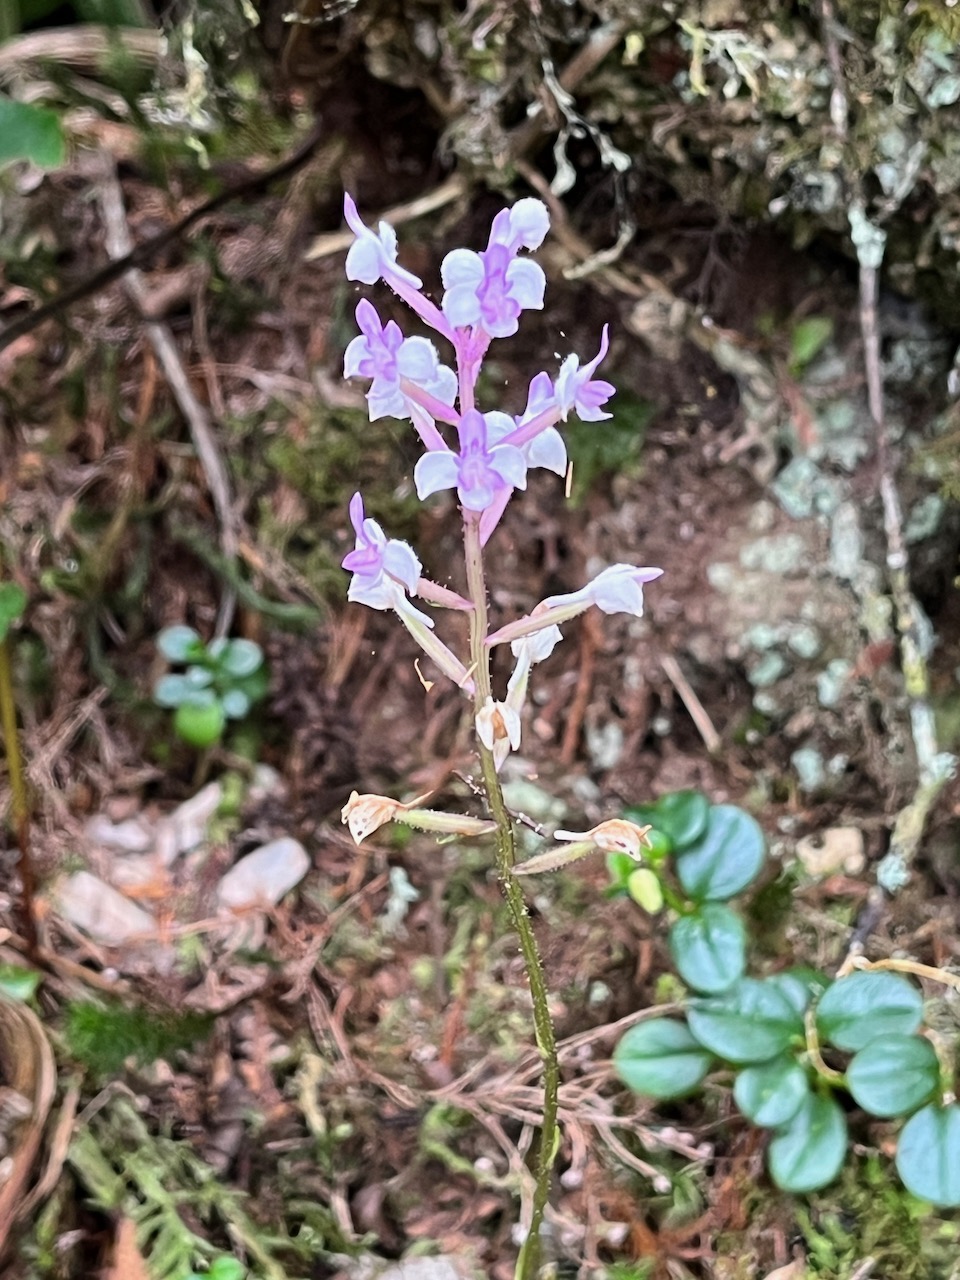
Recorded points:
(27,1066)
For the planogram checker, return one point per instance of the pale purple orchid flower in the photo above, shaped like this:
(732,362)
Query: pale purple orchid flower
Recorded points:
(481,472)
(489,290)
(373,256)
(380,565)
(405,372)
(576,389)
(546,449)
(618,589)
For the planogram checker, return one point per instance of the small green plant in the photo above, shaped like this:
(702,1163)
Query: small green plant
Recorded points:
(222,681)
(802,1046)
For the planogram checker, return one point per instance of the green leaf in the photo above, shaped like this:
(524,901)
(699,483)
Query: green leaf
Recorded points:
(13,601)
(894,1075)
(753,1022)
(709,948)
(620,866)
(241,658)
(928,1155)
(680,815)
(254,685)
(660,1059)
(726,857)
(864,1006)
(30,133)
(179,644)
(801,986)
(200,726)
(807,340)
(18,983)
(808,1152)
(235,704)
(225,1268)
(171,691)
(771,1093)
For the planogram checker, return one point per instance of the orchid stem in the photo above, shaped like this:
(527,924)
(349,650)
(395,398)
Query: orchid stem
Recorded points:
(528,1262)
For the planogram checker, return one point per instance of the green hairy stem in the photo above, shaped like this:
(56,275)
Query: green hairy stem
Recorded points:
(528,1262)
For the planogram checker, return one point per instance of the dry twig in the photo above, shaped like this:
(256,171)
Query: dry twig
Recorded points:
(119,247)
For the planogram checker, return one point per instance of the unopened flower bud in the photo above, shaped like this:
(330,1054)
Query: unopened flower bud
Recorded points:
(645,889)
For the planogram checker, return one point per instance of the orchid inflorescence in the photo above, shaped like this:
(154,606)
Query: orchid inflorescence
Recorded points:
(484,296)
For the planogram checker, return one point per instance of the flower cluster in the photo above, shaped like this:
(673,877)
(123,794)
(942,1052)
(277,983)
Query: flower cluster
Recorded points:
(487,455)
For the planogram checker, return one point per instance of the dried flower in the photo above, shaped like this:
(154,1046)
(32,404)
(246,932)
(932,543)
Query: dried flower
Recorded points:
(616,835)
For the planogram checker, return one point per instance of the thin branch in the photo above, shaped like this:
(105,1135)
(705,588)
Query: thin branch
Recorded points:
(162,341)
(144,254)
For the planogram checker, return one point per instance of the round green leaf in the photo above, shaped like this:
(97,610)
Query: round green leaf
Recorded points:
(235,704)
(661,1059)
(199,677)
(752,1022)
(726,857)
(865,1006)
(928,1155)
(800,985)
(241,658)
(808,1152)
(680,815)
(179,644)
(771,1093)
(709,948)
(644,887)
(200,726)
(171,691)
(895,1075)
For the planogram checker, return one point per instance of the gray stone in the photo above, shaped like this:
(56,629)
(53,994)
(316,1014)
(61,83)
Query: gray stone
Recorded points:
(263,877)
(101,911)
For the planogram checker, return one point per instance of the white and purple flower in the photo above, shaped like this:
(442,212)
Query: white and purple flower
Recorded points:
(405,373)
(482,472)
(489,290)
(577,389)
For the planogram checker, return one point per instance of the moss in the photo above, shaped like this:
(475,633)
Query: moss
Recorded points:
(103,1037)
(869,1214)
